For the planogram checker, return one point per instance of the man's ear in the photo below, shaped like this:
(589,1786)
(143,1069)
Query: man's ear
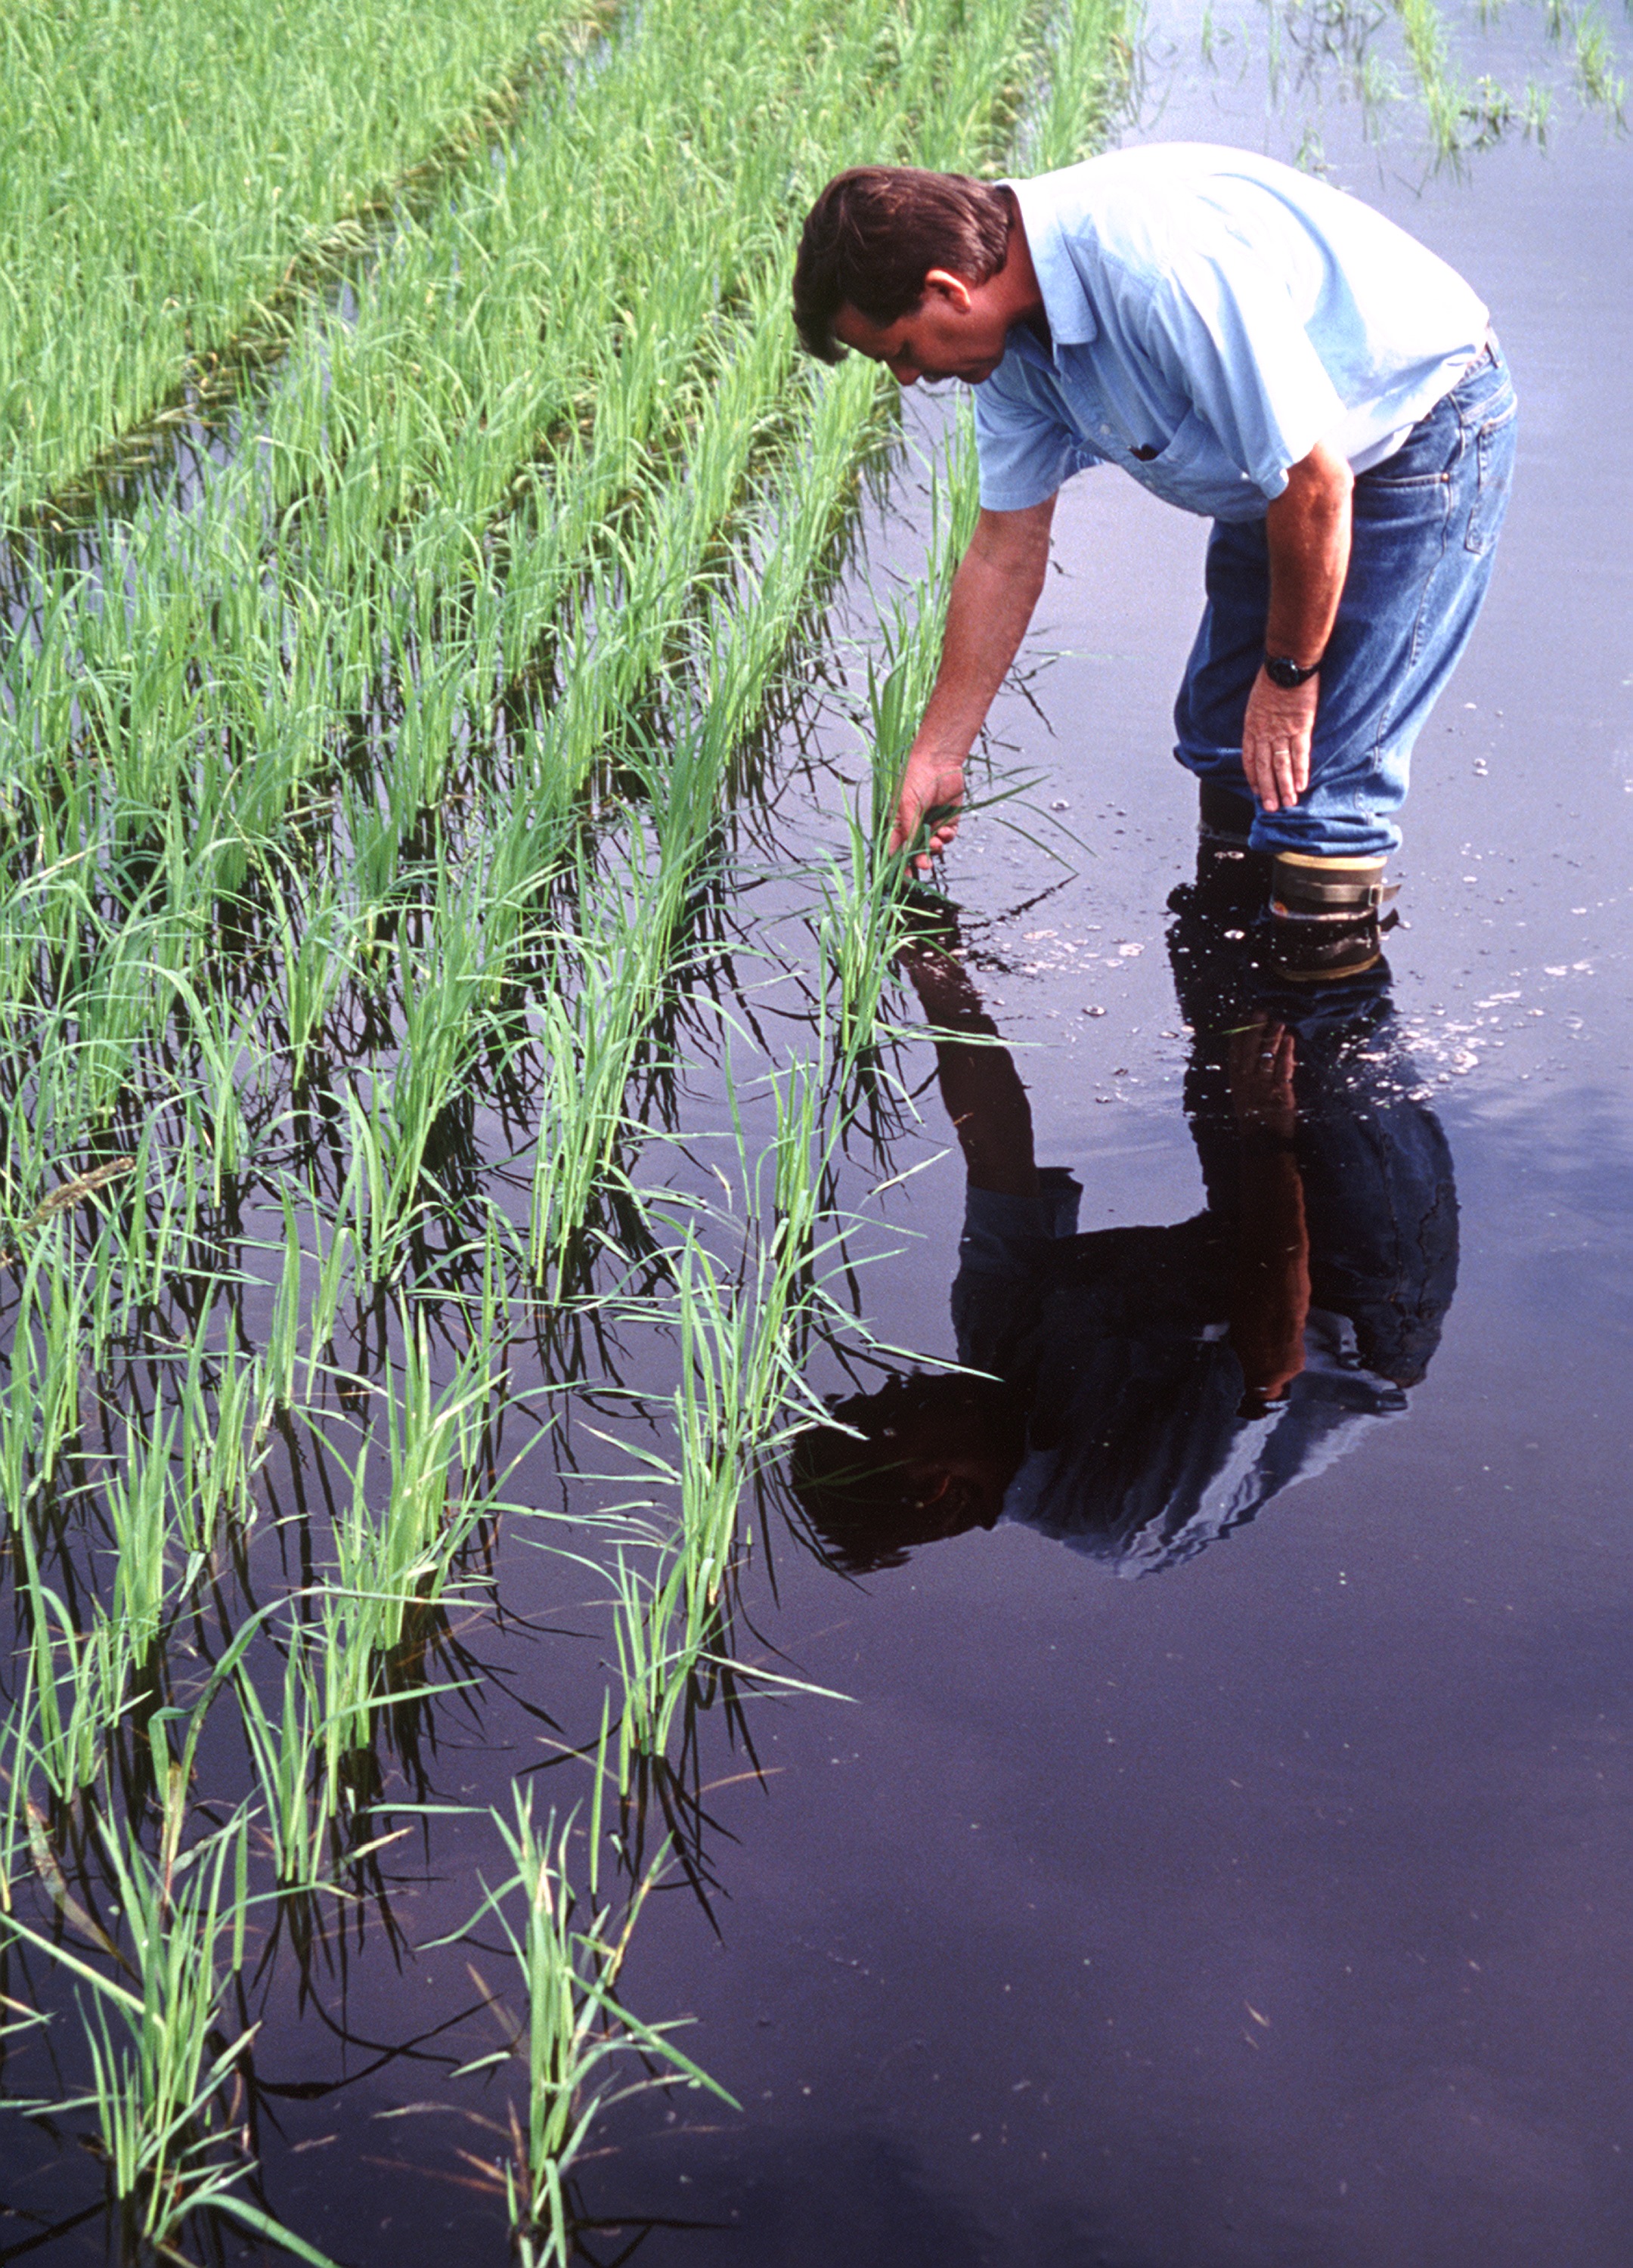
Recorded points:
(943,284)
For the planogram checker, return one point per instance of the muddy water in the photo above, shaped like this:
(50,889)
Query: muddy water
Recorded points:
(1274,1910)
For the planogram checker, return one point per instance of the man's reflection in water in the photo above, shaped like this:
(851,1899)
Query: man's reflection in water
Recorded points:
(1152,1388)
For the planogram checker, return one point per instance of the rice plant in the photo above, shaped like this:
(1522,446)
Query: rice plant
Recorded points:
(573,2029)
(159,2061)
(167,167)
(370,805)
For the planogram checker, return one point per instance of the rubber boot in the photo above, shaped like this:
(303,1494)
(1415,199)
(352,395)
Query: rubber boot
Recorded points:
(1223,816)
(1327,917)
(1232,880)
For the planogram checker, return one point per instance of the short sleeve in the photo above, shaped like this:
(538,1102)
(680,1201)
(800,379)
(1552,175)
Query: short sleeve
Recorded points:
(1001,1266)
(1024,453)
(1222,328)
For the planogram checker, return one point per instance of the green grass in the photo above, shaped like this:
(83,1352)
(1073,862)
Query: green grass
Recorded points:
(572,2032)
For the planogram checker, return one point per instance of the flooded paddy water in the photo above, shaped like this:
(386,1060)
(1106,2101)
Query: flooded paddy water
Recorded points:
(1272,1908)
(1260,1899)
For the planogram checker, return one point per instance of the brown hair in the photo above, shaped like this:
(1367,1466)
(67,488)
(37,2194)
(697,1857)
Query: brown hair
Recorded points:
(875,234)
(868,1499)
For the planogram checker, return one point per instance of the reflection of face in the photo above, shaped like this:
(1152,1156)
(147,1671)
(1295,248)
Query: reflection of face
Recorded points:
(921,1459)
(955,331)
(961,1456)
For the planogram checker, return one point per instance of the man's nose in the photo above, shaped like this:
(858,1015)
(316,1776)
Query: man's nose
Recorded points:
(904,373)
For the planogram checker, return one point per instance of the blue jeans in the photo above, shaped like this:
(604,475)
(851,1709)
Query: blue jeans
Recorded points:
(1424,532)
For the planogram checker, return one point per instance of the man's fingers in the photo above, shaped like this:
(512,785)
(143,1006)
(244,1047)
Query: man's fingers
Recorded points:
(1278,773)
(1262,778)
(1281,764)
(928,803)
(1275,743)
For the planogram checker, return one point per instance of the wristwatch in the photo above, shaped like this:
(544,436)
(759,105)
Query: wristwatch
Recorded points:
(1282,670)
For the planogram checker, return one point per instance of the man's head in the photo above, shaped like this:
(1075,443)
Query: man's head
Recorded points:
(922,1459)
(904,267)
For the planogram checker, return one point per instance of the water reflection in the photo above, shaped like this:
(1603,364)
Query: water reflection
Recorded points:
(1149,1388)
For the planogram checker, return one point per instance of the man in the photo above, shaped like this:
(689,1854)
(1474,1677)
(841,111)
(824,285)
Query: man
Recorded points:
(1252,345)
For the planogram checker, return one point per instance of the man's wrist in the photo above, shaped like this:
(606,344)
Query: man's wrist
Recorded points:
(1287,671)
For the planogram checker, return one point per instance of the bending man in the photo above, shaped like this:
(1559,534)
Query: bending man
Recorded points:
(1249,344)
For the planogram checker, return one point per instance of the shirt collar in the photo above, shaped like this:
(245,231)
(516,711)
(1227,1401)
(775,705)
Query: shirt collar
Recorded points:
(1065,302)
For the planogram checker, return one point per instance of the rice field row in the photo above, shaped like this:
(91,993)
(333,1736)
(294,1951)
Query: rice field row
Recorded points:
(169,167)
(373,815)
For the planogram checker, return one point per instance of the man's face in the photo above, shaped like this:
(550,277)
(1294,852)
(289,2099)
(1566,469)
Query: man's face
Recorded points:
(956,331)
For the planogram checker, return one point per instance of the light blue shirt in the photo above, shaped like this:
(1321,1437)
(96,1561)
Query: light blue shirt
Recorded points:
(1225,313)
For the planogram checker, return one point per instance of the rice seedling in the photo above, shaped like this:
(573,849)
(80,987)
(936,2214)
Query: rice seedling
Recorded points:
(158,2059)
(288,1758)
(573,2029)
(1536,111)
(1593,59)
(1445,101)
(92,1671)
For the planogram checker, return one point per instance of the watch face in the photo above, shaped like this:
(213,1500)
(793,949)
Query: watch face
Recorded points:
(1283,671)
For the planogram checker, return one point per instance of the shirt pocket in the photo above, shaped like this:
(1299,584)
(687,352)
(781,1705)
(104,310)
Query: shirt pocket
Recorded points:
(1192,439)
(1194,471)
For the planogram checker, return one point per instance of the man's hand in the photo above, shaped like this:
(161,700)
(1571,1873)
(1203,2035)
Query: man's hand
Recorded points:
(929,782)
(1262,1059)
(1275,741)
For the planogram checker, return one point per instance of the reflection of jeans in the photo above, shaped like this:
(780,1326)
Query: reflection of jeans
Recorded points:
(1425,526)
(1381,1200)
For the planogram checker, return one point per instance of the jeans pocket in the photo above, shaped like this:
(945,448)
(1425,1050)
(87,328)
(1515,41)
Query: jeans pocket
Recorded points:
(1493,460)
(1426,459)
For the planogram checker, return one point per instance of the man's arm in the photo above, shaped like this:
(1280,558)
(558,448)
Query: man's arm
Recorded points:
(1307,530)
(980,1085)
(998,583)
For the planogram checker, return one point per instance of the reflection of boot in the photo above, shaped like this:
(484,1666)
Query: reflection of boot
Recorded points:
(1327,917)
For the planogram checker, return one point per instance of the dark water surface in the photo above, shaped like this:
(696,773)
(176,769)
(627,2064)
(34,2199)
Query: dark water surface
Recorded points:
(1274,1907)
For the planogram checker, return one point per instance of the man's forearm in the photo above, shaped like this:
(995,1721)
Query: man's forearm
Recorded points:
(1271,1294)
(987,1105)
(998,583)
(991,603)
(1307,532)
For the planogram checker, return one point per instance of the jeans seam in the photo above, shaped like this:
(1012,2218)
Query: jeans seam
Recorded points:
(1414,646)
(1486,434)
